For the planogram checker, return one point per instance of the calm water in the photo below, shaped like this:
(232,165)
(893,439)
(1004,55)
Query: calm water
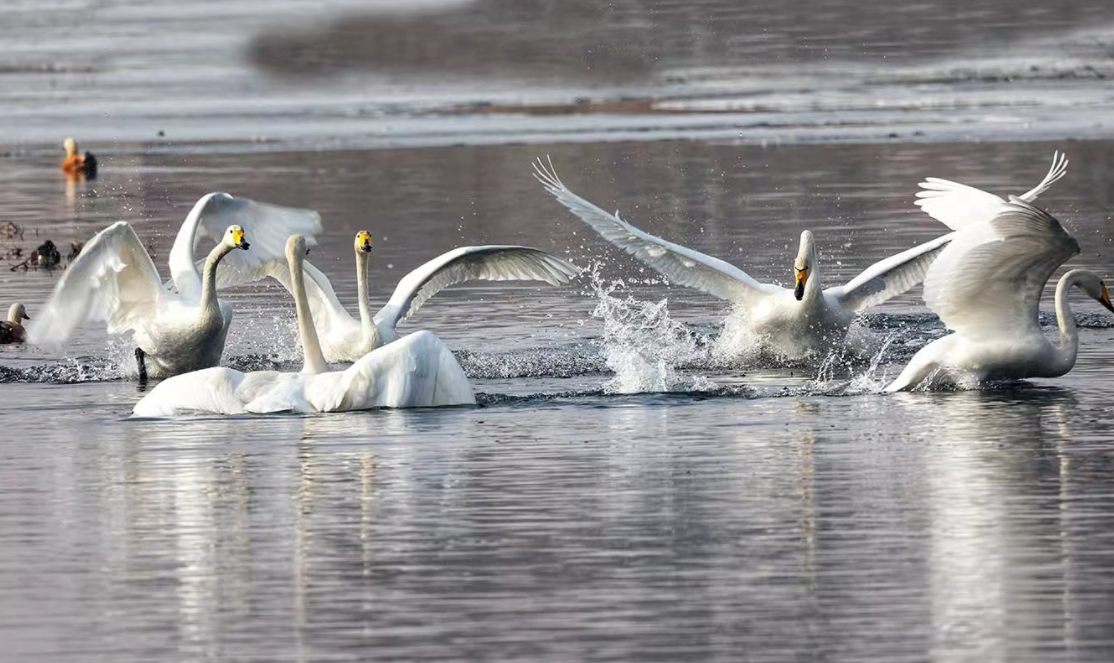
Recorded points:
(624,491)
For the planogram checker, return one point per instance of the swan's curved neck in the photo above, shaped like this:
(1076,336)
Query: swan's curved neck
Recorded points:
(1069,336)
(367,322)
(209,303)
(313,361)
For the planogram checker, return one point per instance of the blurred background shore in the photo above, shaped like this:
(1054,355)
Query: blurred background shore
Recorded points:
(294,74)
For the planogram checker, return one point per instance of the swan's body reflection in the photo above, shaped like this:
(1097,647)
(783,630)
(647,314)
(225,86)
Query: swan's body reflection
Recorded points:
(995,480)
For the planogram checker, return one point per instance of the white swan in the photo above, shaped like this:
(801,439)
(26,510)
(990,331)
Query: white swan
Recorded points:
(791,322)
(986,287)
(344,338)
(416,371)
(114,280)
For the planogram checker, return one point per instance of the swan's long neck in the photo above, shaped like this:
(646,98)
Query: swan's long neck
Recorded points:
(1069,336)
(313,361)
(209,303)
(367,323)
(813,289)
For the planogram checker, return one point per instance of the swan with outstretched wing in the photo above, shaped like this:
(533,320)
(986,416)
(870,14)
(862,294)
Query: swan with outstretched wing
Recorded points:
(181,325)
(416,371)
(792,322)
(347,338)
(986,286)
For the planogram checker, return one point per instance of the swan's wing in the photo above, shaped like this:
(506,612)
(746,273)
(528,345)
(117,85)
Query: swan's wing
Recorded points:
(1057,170)
(958,205)
(113,280)
(471,263)
(266,228)
(681,265)
(326,308)
(989,280)
(889,278)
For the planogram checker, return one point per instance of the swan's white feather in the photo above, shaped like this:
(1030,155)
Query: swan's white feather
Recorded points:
(958,205)
(471,263)
(680,264)
(989,280)
(265,225)
(889,278)
(112,281)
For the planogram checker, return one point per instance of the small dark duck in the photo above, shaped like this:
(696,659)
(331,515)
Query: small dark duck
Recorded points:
(46,256)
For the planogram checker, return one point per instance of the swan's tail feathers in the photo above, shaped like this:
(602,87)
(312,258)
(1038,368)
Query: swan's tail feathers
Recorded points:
(1057,170)
(208,391)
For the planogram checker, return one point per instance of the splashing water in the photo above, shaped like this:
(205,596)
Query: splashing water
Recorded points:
(643,346)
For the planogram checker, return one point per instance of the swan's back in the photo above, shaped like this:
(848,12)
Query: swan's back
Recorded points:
(211,390)
(416,371)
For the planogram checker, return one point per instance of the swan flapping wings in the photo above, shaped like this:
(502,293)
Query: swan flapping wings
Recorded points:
(990,279)
(878,283)
(113,281)
(267,225)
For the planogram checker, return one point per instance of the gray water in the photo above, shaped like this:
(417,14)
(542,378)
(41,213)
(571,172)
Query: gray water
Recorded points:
(623,492)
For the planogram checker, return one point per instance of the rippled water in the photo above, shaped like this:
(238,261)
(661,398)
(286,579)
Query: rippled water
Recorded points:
(785,512)
(626,489)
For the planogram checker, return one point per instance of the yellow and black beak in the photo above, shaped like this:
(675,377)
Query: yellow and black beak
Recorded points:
(802,279)
(238,239)
(364,242)
(1105,299)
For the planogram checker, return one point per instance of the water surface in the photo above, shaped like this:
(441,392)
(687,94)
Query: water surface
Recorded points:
(623,491)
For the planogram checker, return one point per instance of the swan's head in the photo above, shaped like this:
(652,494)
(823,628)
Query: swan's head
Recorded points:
(17,313)
(295,249)
(363,242)
(70,145)
(804,264)
(1091,284)
(234,237)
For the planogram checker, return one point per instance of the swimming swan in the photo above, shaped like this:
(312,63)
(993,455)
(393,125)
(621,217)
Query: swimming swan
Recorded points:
(416,371)
(344,338)
(986,287)
(792,322)
(180,326)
